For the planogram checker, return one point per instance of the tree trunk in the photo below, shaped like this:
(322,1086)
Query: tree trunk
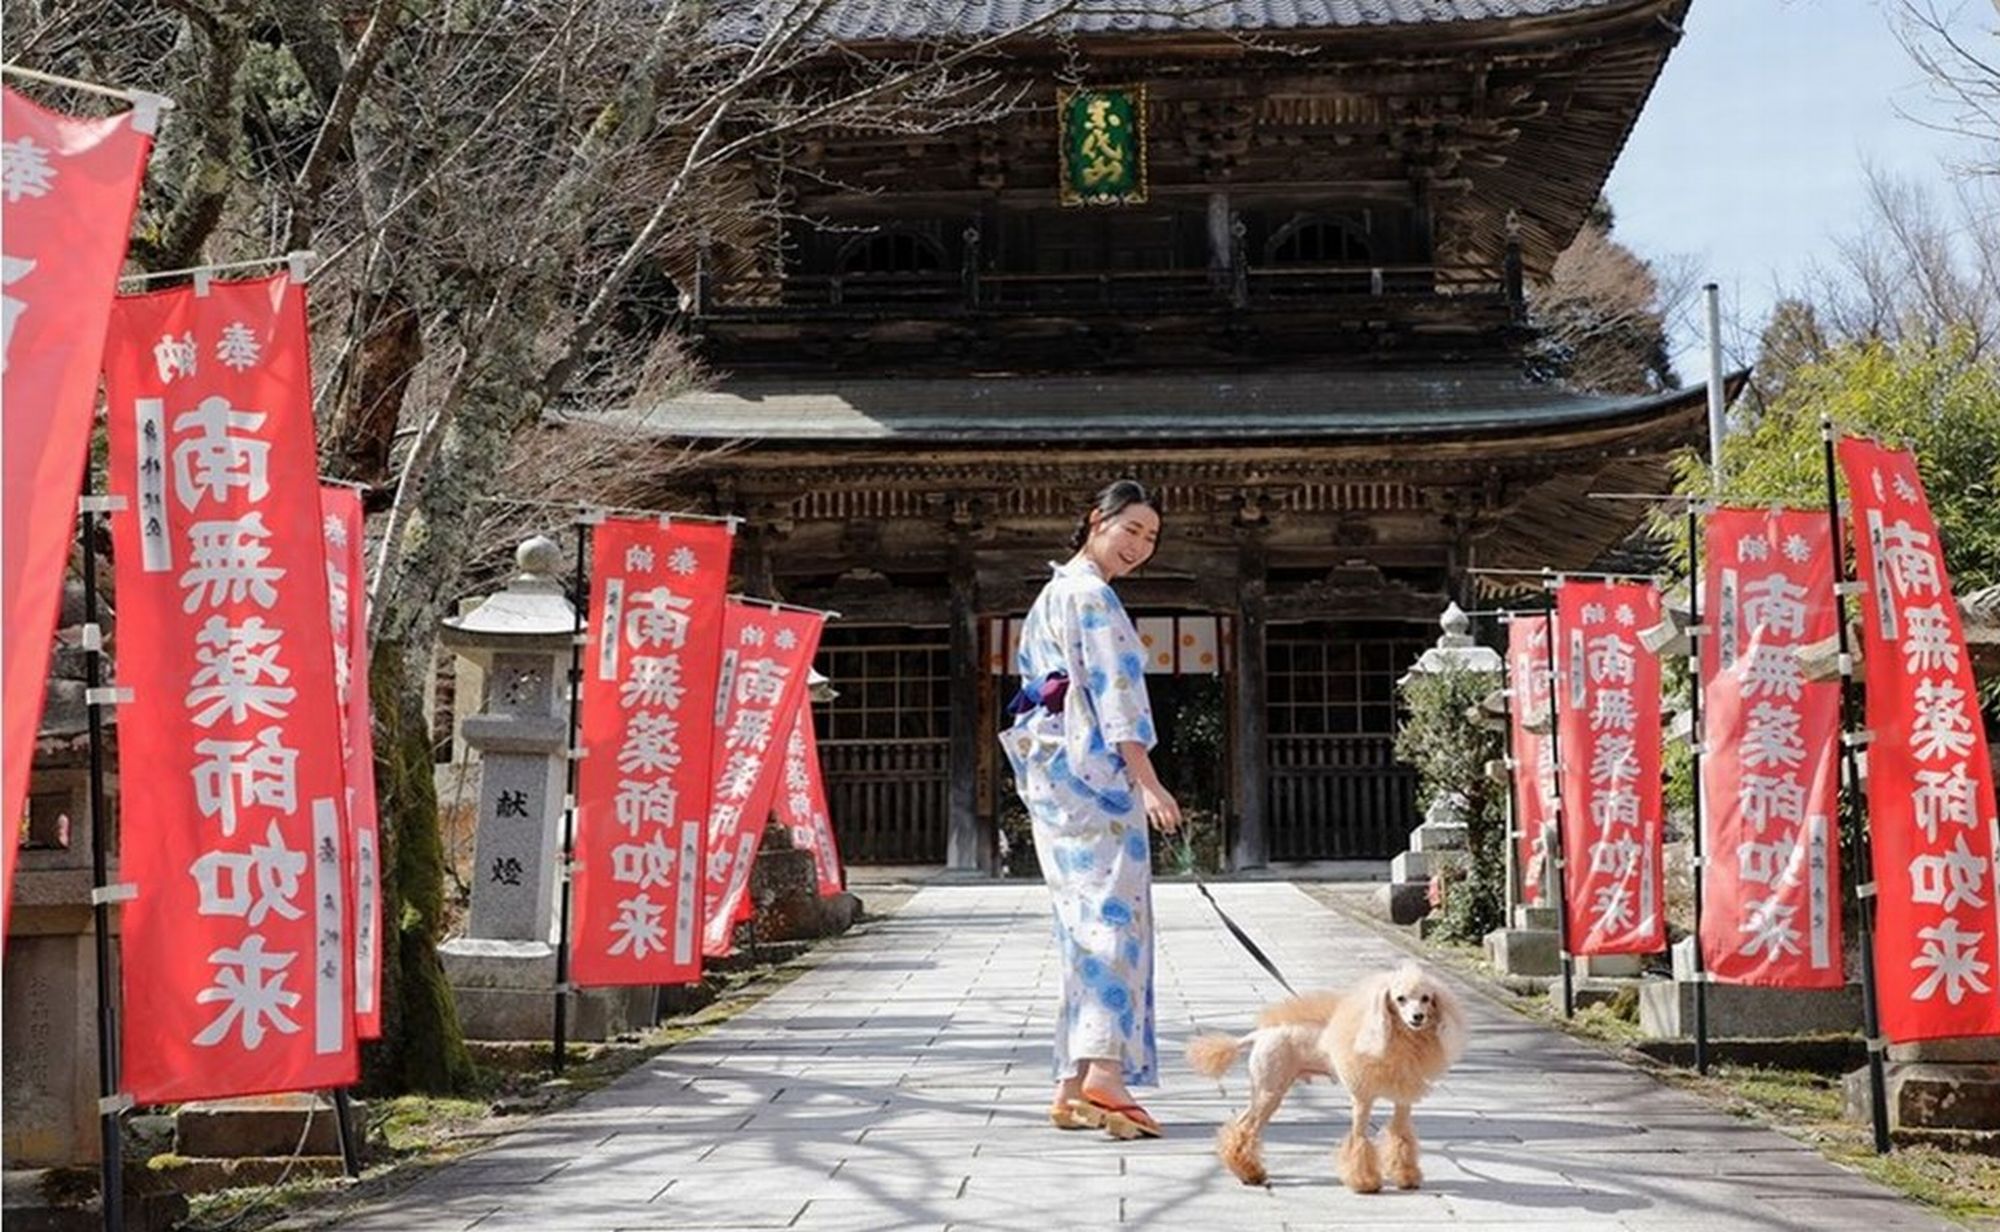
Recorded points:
(390,350)
(422,1047)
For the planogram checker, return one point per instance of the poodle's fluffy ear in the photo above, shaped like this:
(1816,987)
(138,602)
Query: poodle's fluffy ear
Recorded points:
(1371,1038)
(1453,1033)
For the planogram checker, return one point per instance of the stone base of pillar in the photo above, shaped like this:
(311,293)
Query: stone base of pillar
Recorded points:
(1589,990)
(784,885)
(1935,1084)
(1742,1011)
(506,991)
(1523,951)
(259,1125)
(1611,966)
(1403,902)
(1538,919)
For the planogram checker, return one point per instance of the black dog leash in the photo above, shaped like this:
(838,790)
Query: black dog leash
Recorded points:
(1236,931)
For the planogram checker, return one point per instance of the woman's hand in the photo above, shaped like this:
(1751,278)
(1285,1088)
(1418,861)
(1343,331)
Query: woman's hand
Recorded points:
(1161,808)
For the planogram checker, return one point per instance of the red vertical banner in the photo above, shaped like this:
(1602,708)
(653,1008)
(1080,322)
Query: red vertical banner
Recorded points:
(1608,712)
(67,187)
(1770,770)
(1529,749)
(343,530)
(801,805)
(766,653)
(238,968)
(1931,823)
(647,724)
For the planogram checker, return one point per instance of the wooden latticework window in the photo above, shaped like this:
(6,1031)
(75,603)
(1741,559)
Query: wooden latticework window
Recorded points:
(885,741)
(1336,790)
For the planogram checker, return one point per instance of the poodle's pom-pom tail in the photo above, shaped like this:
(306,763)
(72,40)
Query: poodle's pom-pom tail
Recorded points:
(1212,1055)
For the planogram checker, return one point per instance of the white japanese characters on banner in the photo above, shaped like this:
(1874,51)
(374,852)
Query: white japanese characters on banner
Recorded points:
(766,652)
(1931,820)
(801,802)
(1770,774)
(238,966)
(1608,718)
(647,723)
(347,592)
(67,187)
(1531,751)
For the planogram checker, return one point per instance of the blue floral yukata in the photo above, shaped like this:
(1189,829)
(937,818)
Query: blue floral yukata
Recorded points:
(1089,821)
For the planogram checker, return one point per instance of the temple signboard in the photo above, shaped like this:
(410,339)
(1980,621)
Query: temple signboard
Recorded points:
(1103,145)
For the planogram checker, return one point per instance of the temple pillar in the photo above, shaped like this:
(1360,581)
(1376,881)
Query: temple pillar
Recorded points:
(1250,721)
(964,848)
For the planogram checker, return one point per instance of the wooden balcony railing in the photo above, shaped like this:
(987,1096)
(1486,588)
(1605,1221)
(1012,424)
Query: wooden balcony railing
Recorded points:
(974,291)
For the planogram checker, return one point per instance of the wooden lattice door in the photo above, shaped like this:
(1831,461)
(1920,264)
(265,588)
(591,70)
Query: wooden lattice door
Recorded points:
(885,741)
(1336,789)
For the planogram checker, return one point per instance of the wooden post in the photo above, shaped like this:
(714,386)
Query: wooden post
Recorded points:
(1249,724)
(962,840)
(1221,245)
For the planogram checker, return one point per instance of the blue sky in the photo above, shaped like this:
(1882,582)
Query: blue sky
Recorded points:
(1750,159)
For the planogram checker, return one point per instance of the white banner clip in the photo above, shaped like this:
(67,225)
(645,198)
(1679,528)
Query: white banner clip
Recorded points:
(112,1105)
(122,892)
(590,517)
(1865,890)
(100,502)
(91,637)
(1857,739)
(1848,590)
(146,109)
(107,695)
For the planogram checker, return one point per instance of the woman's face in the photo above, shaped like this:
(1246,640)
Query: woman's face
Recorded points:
(1123,541)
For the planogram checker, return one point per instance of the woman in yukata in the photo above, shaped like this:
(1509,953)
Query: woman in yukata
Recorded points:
(1078,745)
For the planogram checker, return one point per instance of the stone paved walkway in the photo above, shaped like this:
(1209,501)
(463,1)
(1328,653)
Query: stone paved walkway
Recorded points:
(901,1085)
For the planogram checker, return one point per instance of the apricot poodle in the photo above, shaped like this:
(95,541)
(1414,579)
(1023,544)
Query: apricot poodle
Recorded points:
(1388,1038)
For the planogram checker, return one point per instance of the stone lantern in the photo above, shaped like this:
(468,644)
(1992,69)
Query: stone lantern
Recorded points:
(1440,840)
(503,969)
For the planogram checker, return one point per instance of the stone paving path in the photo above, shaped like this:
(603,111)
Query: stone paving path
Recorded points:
(901,1085)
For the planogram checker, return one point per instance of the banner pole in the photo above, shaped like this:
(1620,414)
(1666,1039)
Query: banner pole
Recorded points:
(1855,819)
(112,1165)
(1561,858)
(1514,896)
(343,1129)
(1697,836)
(582,604)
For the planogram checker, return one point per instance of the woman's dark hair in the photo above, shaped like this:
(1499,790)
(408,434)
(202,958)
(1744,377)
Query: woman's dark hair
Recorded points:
(1113,499)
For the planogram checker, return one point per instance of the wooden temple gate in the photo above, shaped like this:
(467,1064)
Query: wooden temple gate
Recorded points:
(1305,327)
